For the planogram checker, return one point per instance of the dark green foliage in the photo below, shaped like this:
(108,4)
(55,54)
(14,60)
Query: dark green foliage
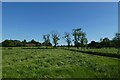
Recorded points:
(24,42)
(46,40)
(9,43)
(33,41)
(115,42)
(94,44)
(67,38)
(18,43)
(80,40)
(79,37)
(55,37)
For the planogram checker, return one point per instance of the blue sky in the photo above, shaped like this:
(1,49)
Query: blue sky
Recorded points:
(25,20)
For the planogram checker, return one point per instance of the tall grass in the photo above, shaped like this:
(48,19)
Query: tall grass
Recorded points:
(56,63)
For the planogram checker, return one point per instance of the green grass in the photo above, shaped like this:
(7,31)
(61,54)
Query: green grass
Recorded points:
(56,63)
(101,50)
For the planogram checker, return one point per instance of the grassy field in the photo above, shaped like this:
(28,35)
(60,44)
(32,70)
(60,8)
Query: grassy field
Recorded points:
(56,63)
(108,52)
(99,50)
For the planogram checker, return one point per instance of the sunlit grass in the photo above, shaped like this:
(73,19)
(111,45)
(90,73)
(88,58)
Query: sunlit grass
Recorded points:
(56,63)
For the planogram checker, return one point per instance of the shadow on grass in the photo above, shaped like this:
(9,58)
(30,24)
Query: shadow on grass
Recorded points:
(97,53)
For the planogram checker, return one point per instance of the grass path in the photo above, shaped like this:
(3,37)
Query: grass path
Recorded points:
(112,54)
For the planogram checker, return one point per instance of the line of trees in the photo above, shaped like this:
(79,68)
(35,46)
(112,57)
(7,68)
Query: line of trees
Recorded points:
(79,39)
(18,43)
(106,42)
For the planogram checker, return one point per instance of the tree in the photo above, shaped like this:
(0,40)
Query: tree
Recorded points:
(24,42)
(68,39)
(1,44)
(94,44)
(116,41)
(46,39)
(101,39)
(33,41)
(17,43)
(76,34)
(55,37)
(8,43)
(79,37)
(83,39)
(105,42)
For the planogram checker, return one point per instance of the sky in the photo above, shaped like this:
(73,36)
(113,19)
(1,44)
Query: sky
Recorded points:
(30,20)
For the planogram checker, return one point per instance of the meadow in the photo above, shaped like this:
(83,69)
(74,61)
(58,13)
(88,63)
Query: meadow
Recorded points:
(57,63)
